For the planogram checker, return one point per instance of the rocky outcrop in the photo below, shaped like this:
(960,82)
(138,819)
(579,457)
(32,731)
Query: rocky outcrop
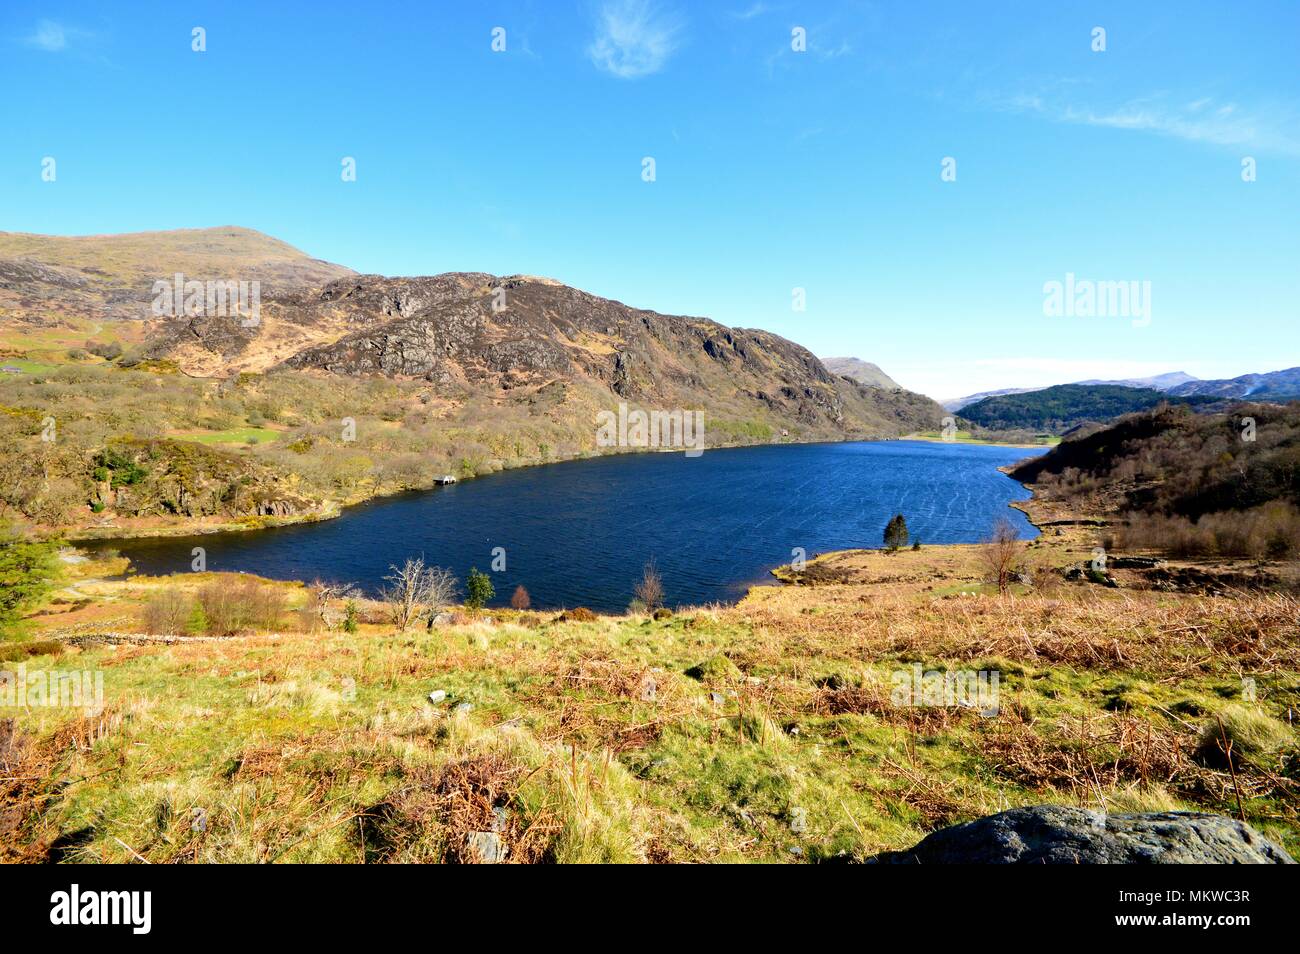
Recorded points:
(1055,834)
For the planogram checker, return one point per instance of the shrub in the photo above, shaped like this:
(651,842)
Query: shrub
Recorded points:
(233,607)
(579,614)
(479,588)
(520,600)
(27,572)
(17,651)
(650,591)
(167,613)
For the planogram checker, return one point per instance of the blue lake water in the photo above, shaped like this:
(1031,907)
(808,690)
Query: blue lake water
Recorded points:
(578,533)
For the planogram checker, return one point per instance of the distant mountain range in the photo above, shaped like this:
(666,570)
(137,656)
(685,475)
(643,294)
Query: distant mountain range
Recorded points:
(864,372)
(1273,386)
(1058,409)
(1161,382)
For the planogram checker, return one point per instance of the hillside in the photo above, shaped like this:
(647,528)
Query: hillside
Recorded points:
(1058,409)
(1184,482)
(1161,382)
(864,372)
(462,373)
(46,279)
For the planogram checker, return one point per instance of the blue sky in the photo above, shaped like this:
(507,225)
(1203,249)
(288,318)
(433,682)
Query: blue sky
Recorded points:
(775,169)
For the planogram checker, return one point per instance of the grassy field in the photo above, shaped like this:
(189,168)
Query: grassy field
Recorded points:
(231,435)
(768,731)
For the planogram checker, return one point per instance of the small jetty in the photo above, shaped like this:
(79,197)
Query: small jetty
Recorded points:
(445,479)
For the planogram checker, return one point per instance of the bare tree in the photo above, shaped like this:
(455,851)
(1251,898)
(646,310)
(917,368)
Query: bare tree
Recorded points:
(650,591)
(415,589)
(1002,554)
(319,596)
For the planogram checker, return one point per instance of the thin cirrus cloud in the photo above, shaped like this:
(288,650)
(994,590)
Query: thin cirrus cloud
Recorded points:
(634,38)
(1202,120)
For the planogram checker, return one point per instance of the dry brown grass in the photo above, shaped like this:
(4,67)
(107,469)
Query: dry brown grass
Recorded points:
(438,814)
(1174,635)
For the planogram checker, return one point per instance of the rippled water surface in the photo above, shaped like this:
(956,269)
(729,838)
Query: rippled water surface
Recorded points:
(578,533)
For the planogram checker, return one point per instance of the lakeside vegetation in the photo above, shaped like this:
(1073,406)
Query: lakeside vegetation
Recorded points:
(765,731)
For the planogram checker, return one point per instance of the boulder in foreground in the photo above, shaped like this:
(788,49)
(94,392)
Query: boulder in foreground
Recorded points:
(1055,834)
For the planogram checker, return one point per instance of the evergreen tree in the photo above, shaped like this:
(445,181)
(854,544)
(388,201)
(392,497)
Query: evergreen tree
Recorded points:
(896,533)
(480,589)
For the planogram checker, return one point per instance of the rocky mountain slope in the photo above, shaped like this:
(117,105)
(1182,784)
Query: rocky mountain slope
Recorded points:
(864,372)
(45,279)
(475,331)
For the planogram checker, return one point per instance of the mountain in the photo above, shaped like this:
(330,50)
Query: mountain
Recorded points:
(1271,386)
(47,279)
(956,404)
(488,333)
(449,330)
(1057,409)
(1161,382)
(864,372)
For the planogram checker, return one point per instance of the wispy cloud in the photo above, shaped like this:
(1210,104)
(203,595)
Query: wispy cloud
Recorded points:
(756,10)
(1203,120)
(634,38)
(49,36)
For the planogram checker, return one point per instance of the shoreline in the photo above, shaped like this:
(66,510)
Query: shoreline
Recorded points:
(333,509)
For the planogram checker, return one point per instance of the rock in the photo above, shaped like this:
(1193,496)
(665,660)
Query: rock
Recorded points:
(437,696)
(464,707)
(1056,834)
(1135,563)
(487,846)
(442,619)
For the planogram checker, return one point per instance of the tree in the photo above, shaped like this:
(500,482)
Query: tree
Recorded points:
(414,589)
(521,600)
(27,573)
(480,589)
(319,596)
(650,591)
(1002,554)
(896,533)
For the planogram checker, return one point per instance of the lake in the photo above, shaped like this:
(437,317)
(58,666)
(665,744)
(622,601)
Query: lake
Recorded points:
(578,533)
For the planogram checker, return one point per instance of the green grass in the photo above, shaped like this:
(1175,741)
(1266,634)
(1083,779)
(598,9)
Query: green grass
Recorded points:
(323,747)
(233,435)
(29,367)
